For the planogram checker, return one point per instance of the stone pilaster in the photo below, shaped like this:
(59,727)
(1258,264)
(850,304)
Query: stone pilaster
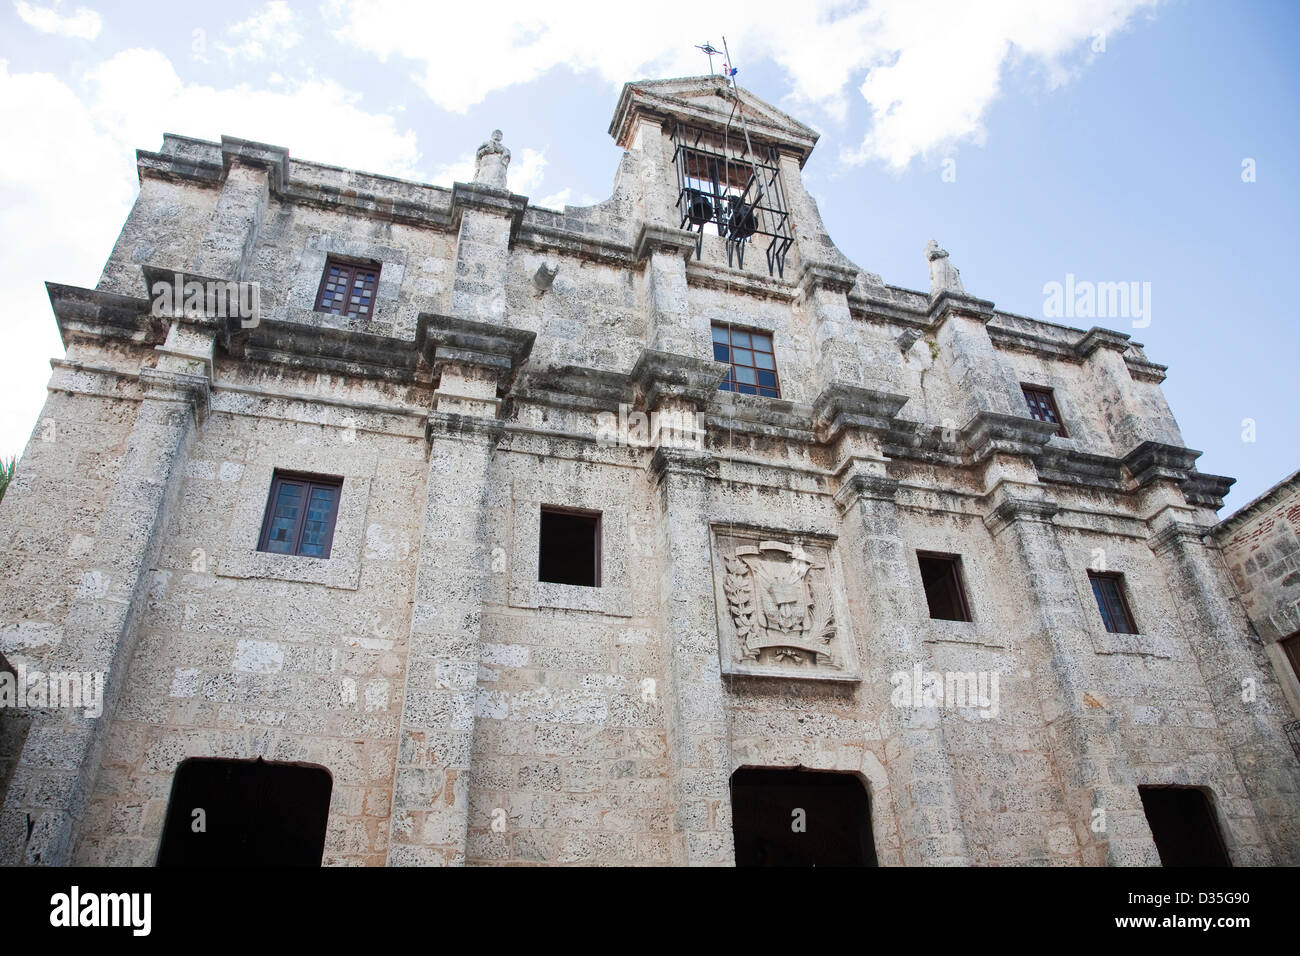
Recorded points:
(1129,421)
(920,768)
(917,758)
(1248,704)
(56,771)
(666,306)
(474,363)
(253,172)
(487,220)
(962,334)
(823,293)
(694,705)
(1083,734)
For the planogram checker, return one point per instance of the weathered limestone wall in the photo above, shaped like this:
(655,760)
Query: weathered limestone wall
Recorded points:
(472,714)
(241,654)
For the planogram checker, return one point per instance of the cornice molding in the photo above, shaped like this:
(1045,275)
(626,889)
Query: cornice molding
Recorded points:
(661,375)
(840,406)
(497,202)
(652,238)
(497,349)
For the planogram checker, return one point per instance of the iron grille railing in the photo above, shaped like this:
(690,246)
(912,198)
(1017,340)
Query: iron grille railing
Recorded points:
(1292,730)
(722,185)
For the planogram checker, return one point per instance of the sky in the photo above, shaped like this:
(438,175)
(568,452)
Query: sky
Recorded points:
(1146,142)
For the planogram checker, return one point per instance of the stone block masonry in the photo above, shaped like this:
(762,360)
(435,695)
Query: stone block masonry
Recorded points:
(762,576)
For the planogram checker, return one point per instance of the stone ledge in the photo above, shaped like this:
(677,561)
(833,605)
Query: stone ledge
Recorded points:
(339,351)
(661,375)
(92,314)
(958,303)
(1153,460)
(990,432)
(826,276)
(841,406)
(500,202)
(1099,338)
(274,159)
(495,349)
(651,239)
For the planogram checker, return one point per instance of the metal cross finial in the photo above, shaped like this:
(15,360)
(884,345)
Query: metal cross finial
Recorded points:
(709,49)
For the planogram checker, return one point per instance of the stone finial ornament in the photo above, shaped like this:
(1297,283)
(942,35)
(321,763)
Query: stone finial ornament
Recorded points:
(944,276)
(493,158)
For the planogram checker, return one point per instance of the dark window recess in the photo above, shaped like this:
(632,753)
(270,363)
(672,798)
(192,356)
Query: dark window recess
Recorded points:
(569,547)
(1183,825)
(245,813)
(348,289)
(1291,647)
(300,515)
(800,818)
(1108,589)
(1042,406)
(753,365)
(941,576)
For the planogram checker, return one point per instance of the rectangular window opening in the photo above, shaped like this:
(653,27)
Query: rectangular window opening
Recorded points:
(944,593)
(1042,406)
(569,547)
(1108,589)
(751,359)
(348,288)
(300,515)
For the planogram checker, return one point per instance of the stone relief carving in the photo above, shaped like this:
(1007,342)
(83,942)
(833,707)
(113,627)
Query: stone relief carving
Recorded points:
(778,609)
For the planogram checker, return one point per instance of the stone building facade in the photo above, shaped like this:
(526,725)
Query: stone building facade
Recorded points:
(785,568)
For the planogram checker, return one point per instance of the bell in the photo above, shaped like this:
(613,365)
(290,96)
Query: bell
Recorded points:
(700,210)
(742,223)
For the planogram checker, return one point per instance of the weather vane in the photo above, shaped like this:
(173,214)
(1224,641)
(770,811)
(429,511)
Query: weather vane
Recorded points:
(710,50)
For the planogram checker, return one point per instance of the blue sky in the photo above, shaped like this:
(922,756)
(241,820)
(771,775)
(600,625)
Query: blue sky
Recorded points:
(1102,139)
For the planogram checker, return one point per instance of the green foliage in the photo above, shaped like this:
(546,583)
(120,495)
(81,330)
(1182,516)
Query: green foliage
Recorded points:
(6,472)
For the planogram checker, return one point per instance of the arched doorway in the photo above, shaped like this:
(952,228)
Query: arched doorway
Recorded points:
(800,818)
(245,813)
(1184,826)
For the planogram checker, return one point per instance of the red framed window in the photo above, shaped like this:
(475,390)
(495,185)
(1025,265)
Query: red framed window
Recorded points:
(1042,406)
(300,515)
(1108,589)
(348,288)
(753,364)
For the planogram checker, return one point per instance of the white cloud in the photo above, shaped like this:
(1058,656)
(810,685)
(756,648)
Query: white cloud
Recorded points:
(565,197)
(62,207)
(138,95)
(928,69)
(271,30)
(82,24)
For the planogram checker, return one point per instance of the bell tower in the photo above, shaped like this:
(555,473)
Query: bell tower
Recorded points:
(723,162)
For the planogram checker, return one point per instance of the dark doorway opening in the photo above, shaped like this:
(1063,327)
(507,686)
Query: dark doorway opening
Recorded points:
(569,549)
(245,813)
(800,818)
(1182,822)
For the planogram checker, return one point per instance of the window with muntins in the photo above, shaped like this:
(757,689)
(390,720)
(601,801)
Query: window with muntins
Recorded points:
(1042,406)
(347,289)
(753,364)
(300,515)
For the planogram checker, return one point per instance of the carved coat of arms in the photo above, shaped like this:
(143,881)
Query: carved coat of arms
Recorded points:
(780,604)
